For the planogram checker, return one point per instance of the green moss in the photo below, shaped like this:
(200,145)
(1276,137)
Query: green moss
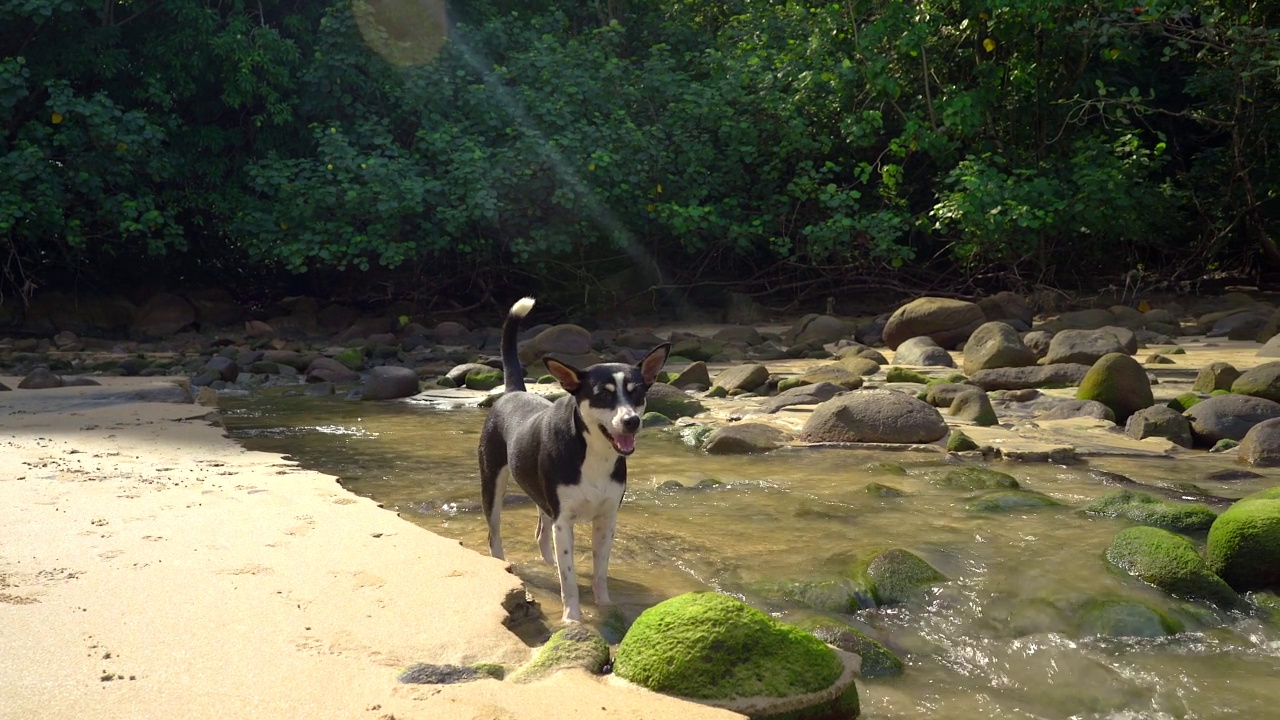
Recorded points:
(895,576)
(353,358)
(483,379)
(959,442)
(1244,543)
(1219,391)
(1224,445)
(786,384)
(978,478)
(710,646)
(1169,562)
(655,419)
(717,392)
(1001,500)
(901,374)
(954,379)
(877,660)
(576,646)
(887,467)
(1119,382)
(835,596)
(493,670)
(1120,617)
(1150,510)
(1184,402)
(695,435)
(884,491)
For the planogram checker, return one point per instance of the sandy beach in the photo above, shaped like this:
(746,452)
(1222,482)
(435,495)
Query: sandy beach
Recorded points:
(152,568)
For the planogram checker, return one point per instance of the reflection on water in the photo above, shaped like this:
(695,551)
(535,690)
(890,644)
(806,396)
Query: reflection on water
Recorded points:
(1001,640)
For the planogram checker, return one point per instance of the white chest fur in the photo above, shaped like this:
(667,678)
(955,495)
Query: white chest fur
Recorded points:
(596,494)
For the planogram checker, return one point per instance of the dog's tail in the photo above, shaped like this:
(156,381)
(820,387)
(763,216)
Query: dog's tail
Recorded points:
(512,372)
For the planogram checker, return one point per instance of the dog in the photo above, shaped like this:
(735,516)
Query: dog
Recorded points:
(569,456)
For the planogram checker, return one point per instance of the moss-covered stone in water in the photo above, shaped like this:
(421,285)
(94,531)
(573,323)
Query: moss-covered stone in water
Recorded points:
(877,660)
(887,467)
(1184,402)
(1169,562)
(1001,500)
(654,419)
(835,596)
(1119,617)
(695,435)
(786,384)
(978,478)
(884,491)
(896,576)
(1224,445)
(959,442)
(901,374)
(576,646)
(1150,510)
(714,647)
(1244,543)
(483,379)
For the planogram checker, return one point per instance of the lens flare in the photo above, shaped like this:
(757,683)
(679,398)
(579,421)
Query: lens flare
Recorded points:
(403,32)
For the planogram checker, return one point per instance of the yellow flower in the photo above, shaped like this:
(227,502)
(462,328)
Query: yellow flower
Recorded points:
(659,188)
(56,119)
(121,147)
(284,226)
(592,167)
(989,44)
(329,166)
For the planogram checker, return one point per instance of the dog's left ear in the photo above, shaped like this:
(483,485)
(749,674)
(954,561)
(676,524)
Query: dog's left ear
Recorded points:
(567,375)
(653,362)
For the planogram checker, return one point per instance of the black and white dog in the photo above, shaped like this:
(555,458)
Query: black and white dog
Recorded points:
(569,456)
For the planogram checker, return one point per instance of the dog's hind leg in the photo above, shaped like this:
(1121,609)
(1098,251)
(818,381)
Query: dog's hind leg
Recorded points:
(562,532)
(543,535)
(603,528)
(492,489)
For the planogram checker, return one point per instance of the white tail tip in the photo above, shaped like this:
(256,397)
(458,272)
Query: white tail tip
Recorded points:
(522,307)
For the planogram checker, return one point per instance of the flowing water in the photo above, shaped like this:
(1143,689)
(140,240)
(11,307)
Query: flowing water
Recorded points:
(1000,640)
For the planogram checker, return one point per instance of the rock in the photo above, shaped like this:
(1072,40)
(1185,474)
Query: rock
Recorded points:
(818,330)
(429,674)
(1146,509)
(694,377)
(974,405)
(1119,382)
(695,347)
(1261,445)
(860,365)
(351,358)
(1003,500)
(1082,346)
(1041,376)
(40,378)
(672,402)
(257,329)
(877,660)
(458,373)
(1127,338)
(834,374)
(565,339)
(744,438)
(1159,421)
(1228,417)
(1239,326)
(882,491)
(1271,348)
(1068,409)
(1244,542)
(215,307)
(947,322)
(1224,445)
(574,647)
(1169,562)
(483,380)
(905,375)
(1005,305)
(874,356)
(996,345)
(959,442)
(79,381)
(5,388)
(321,388)
(1262,381)
(225,368)
(1037,341)
(922,351)
(897,576)
(715,649)
(978,478)
(1123,618)
(742,378)
(163,315)
(802,395)
(744,334)
(323,369)
(875,416)
(942,394)
(1089,319)
(389,383)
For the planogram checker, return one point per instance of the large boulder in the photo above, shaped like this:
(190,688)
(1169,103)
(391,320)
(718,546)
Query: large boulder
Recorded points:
(818,330)
(742,378)
(1061,375)
(882,416)
(1082,346)
(1261,445)
(1159,421)
(974,405)
(1169,562)
(716,650)
(996,345)
(949,322)
(163,315)
(389,382)
(40,378)
(1215,376)
(923,351)
(802,395)
(1228,417)
(744,438)
(1005,305)
(672,402)
(323,369)
(558,340)
(1262,381)
(1244,542)
(1147,509)
(834,374)
(1119,382)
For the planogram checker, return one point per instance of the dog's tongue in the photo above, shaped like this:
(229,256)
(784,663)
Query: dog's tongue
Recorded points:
(624,443)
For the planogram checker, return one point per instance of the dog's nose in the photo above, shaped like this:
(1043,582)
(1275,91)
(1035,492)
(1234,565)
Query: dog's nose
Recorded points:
(631,424)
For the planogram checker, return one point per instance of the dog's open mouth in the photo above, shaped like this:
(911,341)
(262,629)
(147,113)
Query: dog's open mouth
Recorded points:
(624,443)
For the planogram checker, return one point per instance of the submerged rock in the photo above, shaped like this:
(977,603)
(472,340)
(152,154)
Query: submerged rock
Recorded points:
(1150,510)
(1169,562)
(672,402)
(1002,500)
(744,438)
(877,660)
(896,576)
(1120,617)
(978,478)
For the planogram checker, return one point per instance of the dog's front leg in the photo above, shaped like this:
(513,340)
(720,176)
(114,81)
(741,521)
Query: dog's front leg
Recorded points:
(562,533)
(603,528)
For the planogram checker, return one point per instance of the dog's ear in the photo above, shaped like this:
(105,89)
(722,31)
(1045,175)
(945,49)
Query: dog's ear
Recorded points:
(653,362)
(567,375)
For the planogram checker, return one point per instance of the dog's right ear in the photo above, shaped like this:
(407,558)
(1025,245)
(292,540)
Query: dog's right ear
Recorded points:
(567,375)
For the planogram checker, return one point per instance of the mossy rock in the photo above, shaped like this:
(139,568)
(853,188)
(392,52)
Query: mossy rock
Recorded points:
(695,435)
(1243,546)
(1185,401)
(843,595)
(896,576)
(1119,382)
(1004,500)
(877,660)
(790,383)
(483,379)
(1146,509)
(715,391)
(890,468)
(974,406)
(715,649)
(672,402)
(952,379)
(577,646)
(1169,562)
(959,442)
(905,375)
(1224,445)
(352,358)
(884,491)
(1120,617)
(655,420)
(430,674)
(978,478)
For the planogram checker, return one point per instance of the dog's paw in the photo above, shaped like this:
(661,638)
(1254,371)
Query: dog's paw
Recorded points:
(572,615)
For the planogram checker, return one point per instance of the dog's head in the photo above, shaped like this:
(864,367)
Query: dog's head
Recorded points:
(611,396)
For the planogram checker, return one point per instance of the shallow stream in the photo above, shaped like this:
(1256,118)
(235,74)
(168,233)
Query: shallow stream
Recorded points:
(1002,639)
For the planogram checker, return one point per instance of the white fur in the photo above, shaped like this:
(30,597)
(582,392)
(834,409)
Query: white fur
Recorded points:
(596,499)
(522,307)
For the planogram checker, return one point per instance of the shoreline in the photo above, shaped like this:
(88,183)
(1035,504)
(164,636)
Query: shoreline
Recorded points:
(151,567)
